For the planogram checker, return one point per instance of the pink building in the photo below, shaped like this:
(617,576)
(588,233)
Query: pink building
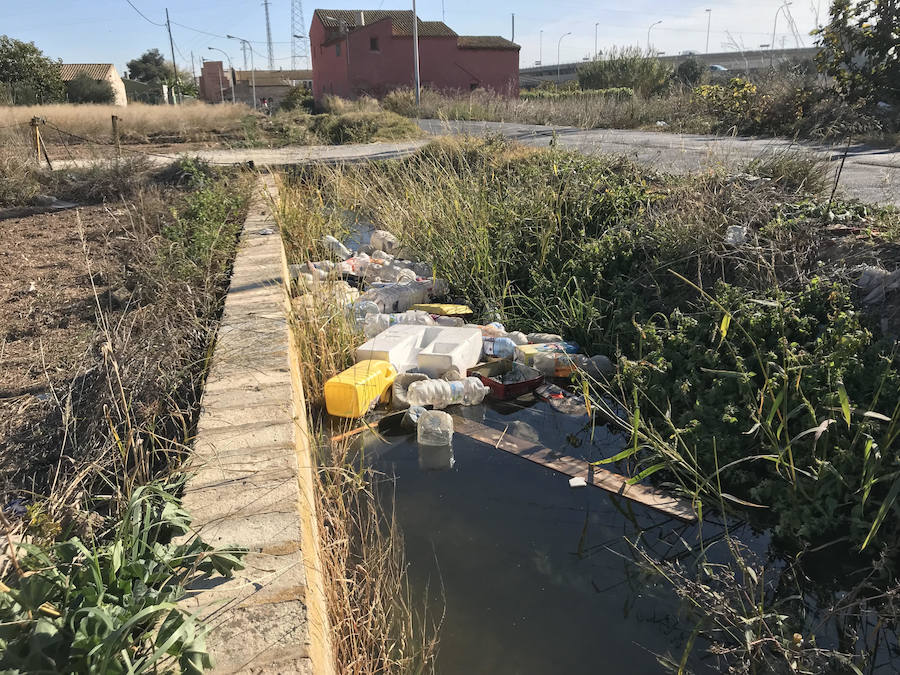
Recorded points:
(370,52)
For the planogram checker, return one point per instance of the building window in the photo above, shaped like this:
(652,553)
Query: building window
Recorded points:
(373,44)
(337,49)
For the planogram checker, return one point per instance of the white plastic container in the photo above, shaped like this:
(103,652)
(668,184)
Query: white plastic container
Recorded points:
(399,345)
(374,324)
(446,347)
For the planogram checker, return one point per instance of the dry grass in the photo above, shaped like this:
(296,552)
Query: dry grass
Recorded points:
(138,122)
(376,626)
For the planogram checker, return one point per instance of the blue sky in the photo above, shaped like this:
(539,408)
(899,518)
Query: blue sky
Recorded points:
(111,31)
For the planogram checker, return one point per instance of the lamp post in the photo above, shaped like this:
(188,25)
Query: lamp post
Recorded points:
(655,23)
(541,47)
(558,44)
(708,21)
(595,40)
(230,68)
(248,46)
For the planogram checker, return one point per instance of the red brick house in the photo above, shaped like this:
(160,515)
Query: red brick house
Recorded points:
(370,52)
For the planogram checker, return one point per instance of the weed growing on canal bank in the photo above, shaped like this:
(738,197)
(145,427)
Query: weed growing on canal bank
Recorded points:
(376,623)
(752,373)
(88,465)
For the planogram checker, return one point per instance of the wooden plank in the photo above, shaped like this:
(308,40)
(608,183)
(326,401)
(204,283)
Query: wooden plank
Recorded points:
(615,483)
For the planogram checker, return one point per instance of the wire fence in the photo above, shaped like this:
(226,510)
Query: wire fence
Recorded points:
(42,143)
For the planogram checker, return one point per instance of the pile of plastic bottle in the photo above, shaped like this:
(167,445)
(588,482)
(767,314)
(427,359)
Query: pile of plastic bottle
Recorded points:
(392,294)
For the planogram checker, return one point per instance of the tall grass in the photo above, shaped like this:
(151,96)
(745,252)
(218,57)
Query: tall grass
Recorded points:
(138,122)
(376,623)
(750,380)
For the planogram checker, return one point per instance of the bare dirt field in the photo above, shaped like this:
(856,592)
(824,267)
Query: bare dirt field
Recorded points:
(57,270)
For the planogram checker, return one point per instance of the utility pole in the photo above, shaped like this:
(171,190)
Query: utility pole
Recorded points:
(708,20)
(269,36)
(443,14)
(244,50)
(246,45)
(193,70)
(541,47)
(174,65)
(513,38)
(595,40)
(415,22)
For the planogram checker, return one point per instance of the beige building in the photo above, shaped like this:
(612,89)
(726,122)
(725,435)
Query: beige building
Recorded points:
(96,71)
(215,84)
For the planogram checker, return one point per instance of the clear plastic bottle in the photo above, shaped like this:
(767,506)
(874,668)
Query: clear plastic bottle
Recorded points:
(361,310)
(541,338)
(435,428)
(375,323)
(518,337)
(440,393)
(336,247)
(499,347)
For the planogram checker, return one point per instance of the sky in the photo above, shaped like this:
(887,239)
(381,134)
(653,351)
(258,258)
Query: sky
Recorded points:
(104,31)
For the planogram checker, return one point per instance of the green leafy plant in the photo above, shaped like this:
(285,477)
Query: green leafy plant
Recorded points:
(111,607)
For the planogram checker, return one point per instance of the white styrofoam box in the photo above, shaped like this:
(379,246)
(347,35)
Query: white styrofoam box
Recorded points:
(445,347)
(398,344)
(432,349)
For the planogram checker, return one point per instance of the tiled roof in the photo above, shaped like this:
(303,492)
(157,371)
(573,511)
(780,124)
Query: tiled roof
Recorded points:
(484,42)
(95,71)
(401,21)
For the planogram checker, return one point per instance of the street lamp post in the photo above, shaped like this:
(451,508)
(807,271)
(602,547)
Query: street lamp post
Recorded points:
(655,23)
(541,47)
(230,68)
(558,44)
(595,40)
(248,46)
(708,21)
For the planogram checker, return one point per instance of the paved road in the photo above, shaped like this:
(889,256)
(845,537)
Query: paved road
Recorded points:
(869,174)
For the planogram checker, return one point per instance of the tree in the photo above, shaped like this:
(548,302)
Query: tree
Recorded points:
(690,71)
(29,76)
(151,68)
(84,89)
(859,49)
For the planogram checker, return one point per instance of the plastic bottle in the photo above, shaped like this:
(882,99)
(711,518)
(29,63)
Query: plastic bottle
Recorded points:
(493,329)
(499,347)
(540,338)
(450,321)
(435,428)
(336,247)
(518,337)
(440,393)
(361,311)
(384,240)
(375,323)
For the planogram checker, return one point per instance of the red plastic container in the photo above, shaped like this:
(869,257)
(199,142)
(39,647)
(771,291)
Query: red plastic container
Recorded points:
(493,373)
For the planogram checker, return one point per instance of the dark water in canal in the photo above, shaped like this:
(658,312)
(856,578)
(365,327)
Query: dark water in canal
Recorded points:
(534,577)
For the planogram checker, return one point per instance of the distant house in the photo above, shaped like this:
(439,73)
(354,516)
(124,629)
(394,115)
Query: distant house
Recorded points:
(216,83)
(370,52)
(98,72)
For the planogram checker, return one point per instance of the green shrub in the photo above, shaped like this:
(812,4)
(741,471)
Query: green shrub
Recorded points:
(298,98)
(81,607)
(363,127)
(626,67)
(690,71)
(85,89)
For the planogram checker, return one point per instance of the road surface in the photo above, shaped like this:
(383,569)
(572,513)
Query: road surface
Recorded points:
(869,174)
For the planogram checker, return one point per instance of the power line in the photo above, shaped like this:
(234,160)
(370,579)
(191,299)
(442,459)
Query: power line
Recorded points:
(143,16)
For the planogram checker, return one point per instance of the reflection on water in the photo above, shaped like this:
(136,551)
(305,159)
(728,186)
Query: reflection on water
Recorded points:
(534,576)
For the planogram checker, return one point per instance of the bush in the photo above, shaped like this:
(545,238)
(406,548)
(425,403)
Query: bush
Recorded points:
(84,89)
(363,127)
(616,93)
(299,97)
(626,67)
(690,71)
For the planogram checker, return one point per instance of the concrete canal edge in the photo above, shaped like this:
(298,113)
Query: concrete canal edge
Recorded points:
(251,471)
